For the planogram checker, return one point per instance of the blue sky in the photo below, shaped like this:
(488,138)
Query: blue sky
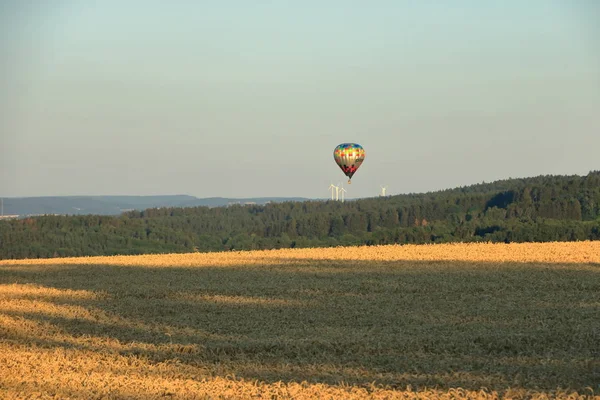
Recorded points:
(249,98)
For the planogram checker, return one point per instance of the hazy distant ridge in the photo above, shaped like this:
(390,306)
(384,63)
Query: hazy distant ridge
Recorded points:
(115,205)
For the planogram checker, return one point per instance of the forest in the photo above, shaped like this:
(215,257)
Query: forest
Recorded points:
(537,209)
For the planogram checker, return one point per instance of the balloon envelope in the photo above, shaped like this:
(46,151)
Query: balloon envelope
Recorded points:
(349,157)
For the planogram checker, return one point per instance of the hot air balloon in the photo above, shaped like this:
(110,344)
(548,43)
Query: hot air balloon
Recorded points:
(349,157)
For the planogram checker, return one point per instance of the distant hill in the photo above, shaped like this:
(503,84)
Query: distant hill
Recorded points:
(115,205)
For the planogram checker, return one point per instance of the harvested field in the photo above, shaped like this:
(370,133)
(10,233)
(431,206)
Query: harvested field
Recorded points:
(434,321)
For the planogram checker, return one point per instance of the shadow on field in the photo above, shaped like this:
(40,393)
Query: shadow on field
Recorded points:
(446,324)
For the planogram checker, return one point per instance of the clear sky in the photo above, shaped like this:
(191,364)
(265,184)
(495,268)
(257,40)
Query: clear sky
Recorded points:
(249,98)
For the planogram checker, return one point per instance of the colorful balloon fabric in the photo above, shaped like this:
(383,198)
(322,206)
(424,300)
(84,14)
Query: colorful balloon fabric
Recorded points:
(349,157)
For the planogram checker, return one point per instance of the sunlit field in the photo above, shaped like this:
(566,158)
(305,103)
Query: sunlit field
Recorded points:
(390,322)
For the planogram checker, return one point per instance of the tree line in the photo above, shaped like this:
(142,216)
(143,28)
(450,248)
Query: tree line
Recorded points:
(541,209)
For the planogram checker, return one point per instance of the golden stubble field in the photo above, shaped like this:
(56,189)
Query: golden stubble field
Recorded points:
(386,322)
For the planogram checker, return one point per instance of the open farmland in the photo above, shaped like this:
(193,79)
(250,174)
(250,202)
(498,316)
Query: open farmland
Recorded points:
(430,321)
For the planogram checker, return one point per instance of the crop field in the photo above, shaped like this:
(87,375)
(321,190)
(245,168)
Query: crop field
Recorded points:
(478,321)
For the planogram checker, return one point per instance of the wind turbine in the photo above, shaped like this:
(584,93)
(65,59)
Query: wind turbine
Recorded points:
(343,191)
(383,190)
(337,191)
(332,187)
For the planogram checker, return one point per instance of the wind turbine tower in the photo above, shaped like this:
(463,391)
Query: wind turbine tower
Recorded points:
(383,188)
